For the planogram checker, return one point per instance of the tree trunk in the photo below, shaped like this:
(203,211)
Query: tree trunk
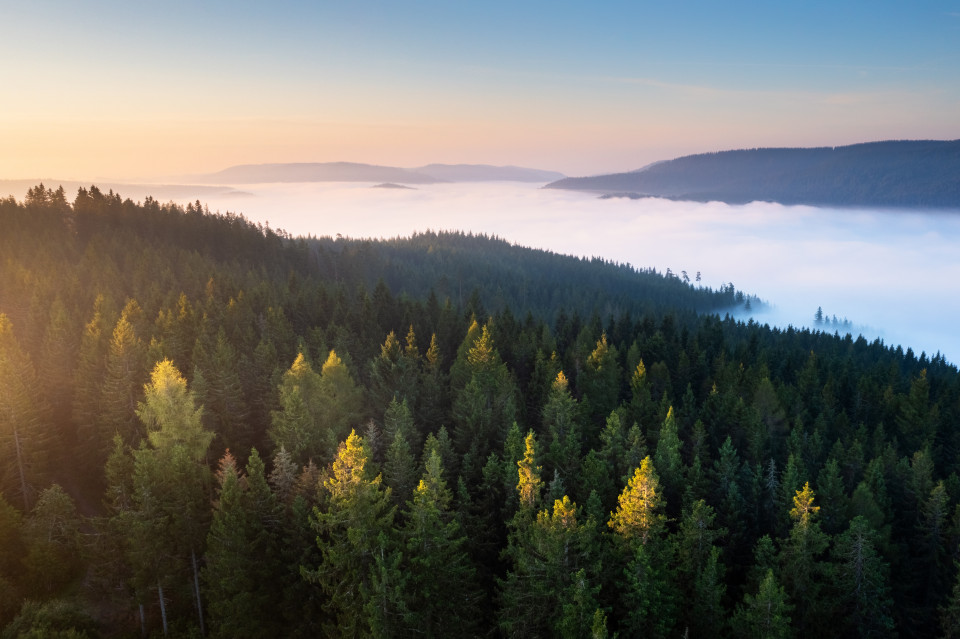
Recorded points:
(23,479)
(163,608)
(196,589)
(143,622)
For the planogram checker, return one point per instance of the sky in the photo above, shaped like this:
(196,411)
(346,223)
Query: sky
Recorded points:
(155,90)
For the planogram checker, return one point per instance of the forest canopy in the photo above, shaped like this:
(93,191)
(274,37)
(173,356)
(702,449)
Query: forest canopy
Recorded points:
(209,427)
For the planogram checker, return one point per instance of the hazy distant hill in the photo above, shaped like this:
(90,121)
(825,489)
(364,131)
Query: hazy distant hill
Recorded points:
(317,172)
(487,173)
(354,172)
(894,173)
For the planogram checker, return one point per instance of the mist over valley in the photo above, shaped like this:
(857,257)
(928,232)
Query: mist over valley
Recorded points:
(893,274)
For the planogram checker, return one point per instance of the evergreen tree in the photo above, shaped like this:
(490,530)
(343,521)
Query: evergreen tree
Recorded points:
(803,570)
(441,598)
(550,574)
(123,382)
(562,431)
(242,560)
(599,382)
(764,615)
(350,535)
(639,513)
(52,535)
(88,375)
(24,441)
(168,524)
(529,484)
(294,427)
(485,407)
(667,460)
(225,408)
(399,471)
(862,580)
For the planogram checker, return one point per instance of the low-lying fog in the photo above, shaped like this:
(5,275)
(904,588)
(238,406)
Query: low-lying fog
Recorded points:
(893,274)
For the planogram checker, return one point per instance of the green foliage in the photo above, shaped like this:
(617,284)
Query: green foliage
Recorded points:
(53,619)
(52,532)
(351,534)
(863,582)
(442,597)
(550,572)
(242,558)
(765,615)
(563,446)
(639,514)
(714,482)
(24,441)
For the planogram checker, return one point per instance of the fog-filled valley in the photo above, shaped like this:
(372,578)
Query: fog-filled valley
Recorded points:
(895,275)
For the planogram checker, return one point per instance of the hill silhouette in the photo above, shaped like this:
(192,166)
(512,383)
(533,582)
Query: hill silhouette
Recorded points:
(909,174)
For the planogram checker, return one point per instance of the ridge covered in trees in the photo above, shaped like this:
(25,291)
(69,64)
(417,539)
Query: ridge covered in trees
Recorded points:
(905,174)
(208,427)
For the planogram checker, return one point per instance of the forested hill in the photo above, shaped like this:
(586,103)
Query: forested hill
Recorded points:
(473,269)
(907,174)
(210,428)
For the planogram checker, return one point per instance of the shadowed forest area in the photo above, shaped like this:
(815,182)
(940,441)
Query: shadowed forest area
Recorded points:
(212,428)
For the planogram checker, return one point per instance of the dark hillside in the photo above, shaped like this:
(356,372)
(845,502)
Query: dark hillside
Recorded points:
(907,174)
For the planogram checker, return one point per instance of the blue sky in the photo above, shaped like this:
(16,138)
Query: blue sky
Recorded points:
(131,89)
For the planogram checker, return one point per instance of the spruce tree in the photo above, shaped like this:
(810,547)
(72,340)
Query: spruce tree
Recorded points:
(350,533)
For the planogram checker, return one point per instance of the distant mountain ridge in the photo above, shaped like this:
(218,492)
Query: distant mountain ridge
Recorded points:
(488,173)
(914,174)
(358,172)
(317,172)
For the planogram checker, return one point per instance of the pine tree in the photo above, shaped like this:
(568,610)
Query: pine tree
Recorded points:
(863,582)
(764,615)
(639,513)
(88,376)
(441,597)
(349,538)
(122,383)
(563,443)
(52,536)
(803,570)
(485,406)
(54,366)
(394,374)
(399,470)
(24,441)
(646,586)
(549,574)
(294,427)
(226,411)
(242,559)
(599,381)
(168,524)
(667,460)
(432,398)
(529,484)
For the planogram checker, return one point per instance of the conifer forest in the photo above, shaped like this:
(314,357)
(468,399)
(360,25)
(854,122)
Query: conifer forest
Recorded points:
(209,427)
